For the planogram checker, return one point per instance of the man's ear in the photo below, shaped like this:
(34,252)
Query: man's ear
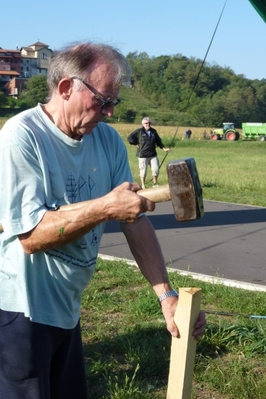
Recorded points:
(65,88)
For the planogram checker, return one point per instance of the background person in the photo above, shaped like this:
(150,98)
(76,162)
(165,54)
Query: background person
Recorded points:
(188,134)
(55,154)
(146,139)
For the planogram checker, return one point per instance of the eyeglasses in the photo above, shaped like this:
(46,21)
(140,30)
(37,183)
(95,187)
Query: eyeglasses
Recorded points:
(104,103)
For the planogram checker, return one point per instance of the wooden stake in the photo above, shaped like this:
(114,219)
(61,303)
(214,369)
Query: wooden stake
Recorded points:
(183,349)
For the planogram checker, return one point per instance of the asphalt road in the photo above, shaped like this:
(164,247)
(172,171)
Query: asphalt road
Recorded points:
(228,242)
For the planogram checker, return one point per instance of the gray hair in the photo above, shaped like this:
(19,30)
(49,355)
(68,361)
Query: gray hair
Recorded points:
(145,119)
(76,58)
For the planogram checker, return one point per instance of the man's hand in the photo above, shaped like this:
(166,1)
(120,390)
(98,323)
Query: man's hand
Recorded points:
(124,204)
(199,325)
(169,307)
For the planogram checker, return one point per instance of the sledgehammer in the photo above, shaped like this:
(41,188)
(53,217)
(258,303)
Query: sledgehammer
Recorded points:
(183,189)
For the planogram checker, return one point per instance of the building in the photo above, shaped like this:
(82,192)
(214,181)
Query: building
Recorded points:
(35,60)
(17,66)
(10,64)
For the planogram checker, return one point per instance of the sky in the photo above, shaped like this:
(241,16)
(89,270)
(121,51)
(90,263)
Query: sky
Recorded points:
(156,27)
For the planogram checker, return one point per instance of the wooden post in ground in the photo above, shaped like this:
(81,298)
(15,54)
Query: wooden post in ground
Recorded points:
(183,349)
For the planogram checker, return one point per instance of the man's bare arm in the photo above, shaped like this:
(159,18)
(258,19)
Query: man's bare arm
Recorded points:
(147,252)
(64,226)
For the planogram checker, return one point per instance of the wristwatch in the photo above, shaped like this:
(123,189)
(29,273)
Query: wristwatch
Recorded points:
(167,295)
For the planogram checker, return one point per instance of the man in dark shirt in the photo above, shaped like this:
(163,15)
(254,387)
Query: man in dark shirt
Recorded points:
(146,139)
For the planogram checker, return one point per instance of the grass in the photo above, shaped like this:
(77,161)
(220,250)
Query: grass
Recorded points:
(127,347)
(126,344)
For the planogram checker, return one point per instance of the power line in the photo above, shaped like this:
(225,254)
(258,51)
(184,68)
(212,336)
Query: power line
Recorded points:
(197,78)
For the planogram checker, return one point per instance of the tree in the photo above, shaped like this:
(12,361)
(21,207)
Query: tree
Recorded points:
(206,95)
(125,114)
(36,92)
(3,99)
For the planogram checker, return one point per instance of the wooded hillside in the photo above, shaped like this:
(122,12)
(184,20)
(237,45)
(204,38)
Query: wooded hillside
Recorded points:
(176,89)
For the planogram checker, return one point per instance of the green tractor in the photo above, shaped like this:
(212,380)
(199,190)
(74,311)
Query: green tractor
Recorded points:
(227,132)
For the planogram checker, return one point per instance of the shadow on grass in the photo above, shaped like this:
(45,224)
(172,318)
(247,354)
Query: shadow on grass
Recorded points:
(114,361)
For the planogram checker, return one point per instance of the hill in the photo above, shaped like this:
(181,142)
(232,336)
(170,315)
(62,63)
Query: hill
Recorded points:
(182,90)
(135,105)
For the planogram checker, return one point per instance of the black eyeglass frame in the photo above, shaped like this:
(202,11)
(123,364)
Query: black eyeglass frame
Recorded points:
(104,103)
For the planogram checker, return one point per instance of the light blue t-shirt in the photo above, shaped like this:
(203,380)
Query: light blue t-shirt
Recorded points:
(41,169)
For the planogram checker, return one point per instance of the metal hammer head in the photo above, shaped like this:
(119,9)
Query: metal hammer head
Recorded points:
(185,189)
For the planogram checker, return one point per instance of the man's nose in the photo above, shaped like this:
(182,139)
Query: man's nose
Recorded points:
(109,111)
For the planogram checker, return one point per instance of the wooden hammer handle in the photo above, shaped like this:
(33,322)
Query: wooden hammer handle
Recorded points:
(157,194)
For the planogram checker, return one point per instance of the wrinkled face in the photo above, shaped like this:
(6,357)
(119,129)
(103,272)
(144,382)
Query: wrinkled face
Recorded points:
(86,106)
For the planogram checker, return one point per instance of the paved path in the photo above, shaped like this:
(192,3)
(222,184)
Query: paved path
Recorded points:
(228,242)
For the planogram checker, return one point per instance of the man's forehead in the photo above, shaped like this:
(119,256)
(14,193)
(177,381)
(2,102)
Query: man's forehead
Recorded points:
(102,77)
(101,70)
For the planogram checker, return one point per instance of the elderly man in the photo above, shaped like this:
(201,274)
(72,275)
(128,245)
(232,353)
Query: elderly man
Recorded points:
(60,153)
(146,139)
